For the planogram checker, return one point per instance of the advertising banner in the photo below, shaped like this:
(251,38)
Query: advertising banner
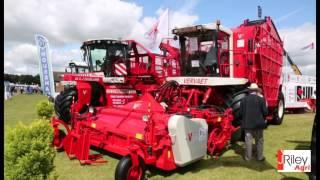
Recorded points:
(294,161)
(45,66)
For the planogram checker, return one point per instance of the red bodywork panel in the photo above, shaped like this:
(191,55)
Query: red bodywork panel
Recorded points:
(141,125)
(146,73)
(118,129)
(258,52)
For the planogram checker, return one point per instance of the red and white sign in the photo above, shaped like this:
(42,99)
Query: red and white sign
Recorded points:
(294,161)
(293,96)
(120,69)
(115,80)
(208,81)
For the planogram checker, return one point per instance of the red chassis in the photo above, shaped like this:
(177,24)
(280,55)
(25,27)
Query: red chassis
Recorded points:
(136,129)
(140,128)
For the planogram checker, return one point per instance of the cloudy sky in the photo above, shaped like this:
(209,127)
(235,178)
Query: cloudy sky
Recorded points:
(66,23)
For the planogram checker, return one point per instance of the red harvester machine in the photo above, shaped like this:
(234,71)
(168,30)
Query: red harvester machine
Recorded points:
(189,116)
(118,72)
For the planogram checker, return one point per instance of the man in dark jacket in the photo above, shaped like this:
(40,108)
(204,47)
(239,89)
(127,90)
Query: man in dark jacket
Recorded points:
(254,111)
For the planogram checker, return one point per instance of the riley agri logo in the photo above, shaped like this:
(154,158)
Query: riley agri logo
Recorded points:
(294,161)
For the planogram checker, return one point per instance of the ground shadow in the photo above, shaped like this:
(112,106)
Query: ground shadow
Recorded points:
(94,151)
(97,150)
(205,163)
(290,178)
(297,111)
(212,163)
(232,161)
(301,145)
(285,177)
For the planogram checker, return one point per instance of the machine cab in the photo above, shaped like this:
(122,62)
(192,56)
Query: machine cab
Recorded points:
(77,67)
(205,50)
(107,56)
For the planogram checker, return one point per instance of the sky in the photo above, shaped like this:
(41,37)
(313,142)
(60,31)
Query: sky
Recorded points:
(67,23)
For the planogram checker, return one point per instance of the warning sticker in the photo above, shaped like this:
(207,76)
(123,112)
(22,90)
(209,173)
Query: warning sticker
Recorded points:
(203,134)
(240,43)
(195,63)
(193,44)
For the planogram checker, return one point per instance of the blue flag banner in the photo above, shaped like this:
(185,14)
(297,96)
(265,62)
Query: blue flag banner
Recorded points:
(45,66)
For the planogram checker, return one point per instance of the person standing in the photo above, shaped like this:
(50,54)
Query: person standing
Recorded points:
(12,90)
(254,111)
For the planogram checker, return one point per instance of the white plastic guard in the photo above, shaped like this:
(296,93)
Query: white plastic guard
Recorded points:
(189,139)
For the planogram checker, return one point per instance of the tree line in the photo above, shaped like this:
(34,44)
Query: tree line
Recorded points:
(22,79)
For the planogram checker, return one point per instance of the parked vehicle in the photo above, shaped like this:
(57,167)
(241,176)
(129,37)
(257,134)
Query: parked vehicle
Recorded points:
(181,109)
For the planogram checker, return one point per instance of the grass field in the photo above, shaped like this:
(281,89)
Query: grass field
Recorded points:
(294,133)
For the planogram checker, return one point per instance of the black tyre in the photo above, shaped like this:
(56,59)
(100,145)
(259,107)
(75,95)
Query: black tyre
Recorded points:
(235,105)
(63,103)
(279,111)
(236,102)
(125,171)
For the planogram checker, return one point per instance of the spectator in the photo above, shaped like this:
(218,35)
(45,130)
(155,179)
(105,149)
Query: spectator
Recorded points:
(254,111)
(29,89)
(12,88)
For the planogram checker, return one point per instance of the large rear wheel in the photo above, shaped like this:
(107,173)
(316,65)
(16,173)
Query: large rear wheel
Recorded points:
(62,103)
(279,111)
(235,105)
(64,100)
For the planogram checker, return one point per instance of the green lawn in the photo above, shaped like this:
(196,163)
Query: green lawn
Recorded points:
(294,133)
(21,108)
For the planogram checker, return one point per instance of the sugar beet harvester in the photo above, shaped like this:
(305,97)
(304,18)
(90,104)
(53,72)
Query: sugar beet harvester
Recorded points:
(189,116)
(118,72)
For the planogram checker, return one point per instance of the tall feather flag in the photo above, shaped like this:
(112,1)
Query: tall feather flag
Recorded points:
(310,46)
(45,66)
(160,27)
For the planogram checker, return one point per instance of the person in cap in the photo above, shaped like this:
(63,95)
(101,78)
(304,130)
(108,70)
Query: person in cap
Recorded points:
(253,114)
